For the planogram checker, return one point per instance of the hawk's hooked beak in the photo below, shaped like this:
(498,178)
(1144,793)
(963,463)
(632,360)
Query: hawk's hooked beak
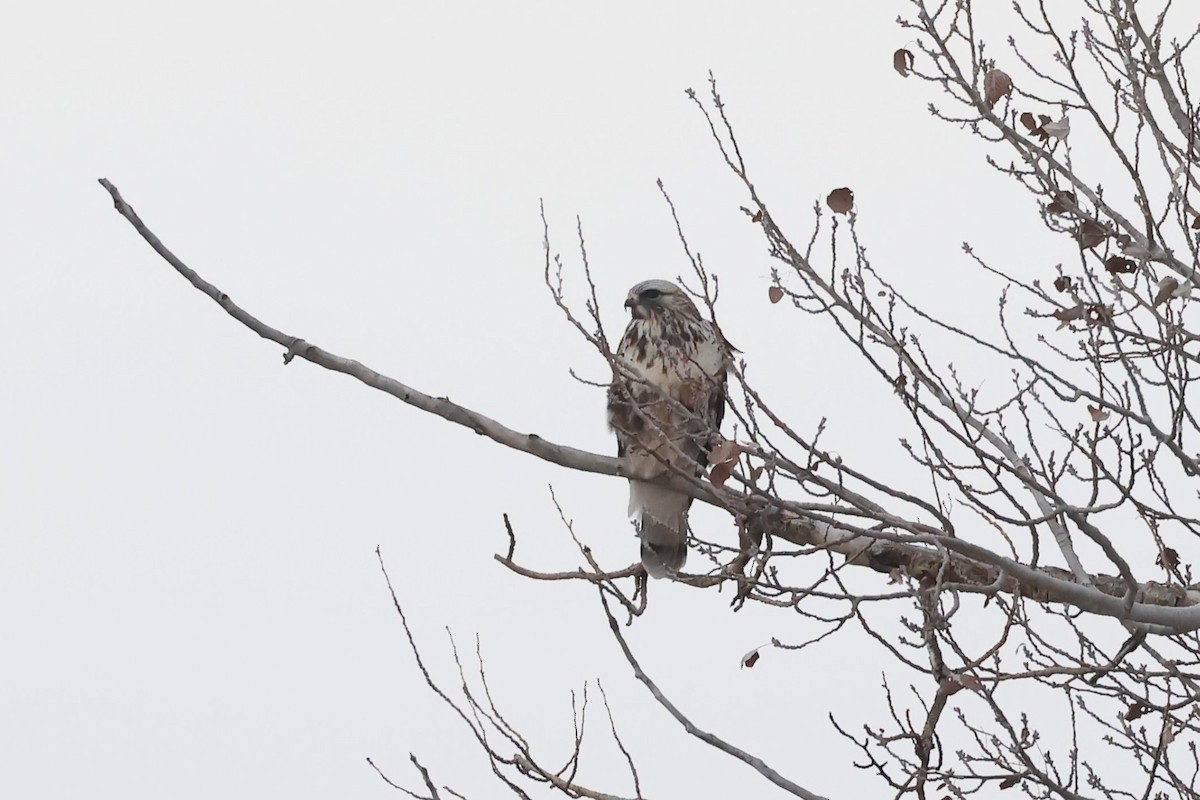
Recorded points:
(635,310)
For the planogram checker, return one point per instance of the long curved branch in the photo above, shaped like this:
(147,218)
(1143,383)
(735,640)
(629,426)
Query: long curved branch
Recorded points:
(531,443)
(708,738)
(957,560)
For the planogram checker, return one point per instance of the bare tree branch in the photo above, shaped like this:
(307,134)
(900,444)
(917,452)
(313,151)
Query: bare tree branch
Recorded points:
(918,554)
(708,738)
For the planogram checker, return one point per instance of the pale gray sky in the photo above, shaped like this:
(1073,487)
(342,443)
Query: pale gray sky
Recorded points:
(190,604)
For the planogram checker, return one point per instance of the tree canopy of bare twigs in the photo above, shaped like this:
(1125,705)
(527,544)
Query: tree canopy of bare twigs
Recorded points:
(1047,539)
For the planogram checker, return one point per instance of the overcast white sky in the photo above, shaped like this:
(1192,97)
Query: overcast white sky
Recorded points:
(190,604)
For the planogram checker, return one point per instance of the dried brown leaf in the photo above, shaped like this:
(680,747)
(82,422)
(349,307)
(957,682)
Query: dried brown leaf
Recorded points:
(1036,129)
(1010,781)
(902,62)
(1090,233)
(1068,315)
(841,200)
(1062,283)
(1133,712)
(758,216)
(969,682)
(1062,203)
(750,659)
(774,294)
(1166,287)
(1117,264)
(720,473)
(1098,414)
(996,84)
(724,453)
(1168,558)
(755,473)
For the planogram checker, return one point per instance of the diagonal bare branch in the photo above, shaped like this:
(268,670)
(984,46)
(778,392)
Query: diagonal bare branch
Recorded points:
(881,549)
(708,738)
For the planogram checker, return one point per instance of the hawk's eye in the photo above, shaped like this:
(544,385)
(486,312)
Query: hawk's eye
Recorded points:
(652,294)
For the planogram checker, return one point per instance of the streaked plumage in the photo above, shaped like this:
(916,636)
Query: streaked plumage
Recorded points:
(681,356)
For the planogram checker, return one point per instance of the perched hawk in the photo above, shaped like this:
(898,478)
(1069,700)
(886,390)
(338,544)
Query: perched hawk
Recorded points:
(666,416)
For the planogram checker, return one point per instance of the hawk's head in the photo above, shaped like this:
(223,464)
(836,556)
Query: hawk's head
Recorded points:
(658,297)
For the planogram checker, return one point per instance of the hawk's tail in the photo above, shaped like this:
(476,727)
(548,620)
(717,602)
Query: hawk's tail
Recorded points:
(661,517)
